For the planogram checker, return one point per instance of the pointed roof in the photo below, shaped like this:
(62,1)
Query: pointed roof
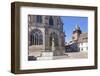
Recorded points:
(77,27)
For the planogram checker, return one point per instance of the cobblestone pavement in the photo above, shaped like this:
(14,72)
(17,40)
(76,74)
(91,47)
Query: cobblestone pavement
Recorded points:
(72,55)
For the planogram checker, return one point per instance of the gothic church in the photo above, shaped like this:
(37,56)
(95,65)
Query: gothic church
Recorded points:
(41,31)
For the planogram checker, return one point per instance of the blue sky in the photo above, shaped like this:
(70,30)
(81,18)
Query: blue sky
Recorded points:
(70,22)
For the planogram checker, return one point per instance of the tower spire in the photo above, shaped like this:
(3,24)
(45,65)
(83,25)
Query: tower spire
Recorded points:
(76,33)
(77,27)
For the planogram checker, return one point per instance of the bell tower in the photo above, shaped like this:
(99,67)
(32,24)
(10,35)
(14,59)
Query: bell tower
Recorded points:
(76,33)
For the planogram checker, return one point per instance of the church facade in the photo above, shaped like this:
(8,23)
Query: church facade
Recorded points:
(42,30)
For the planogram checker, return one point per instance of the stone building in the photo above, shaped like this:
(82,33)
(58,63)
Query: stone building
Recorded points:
(41,32)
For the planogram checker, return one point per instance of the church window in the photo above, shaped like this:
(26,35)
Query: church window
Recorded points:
(39,19)
(36,37)
(51,21)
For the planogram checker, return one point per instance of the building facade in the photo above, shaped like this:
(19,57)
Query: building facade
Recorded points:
(83,42)
(41,31)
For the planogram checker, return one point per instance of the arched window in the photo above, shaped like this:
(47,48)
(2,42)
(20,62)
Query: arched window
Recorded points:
(39,19)
(36,37)
(55,36)
(51,21)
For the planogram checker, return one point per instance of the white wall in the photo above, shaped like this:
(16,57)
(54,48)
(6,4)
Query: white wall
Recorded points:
(5,42)
(83,46)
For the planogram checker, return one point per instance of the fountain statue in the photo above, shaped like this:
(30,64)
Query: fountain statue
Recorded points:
(53,45)
(48,55)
